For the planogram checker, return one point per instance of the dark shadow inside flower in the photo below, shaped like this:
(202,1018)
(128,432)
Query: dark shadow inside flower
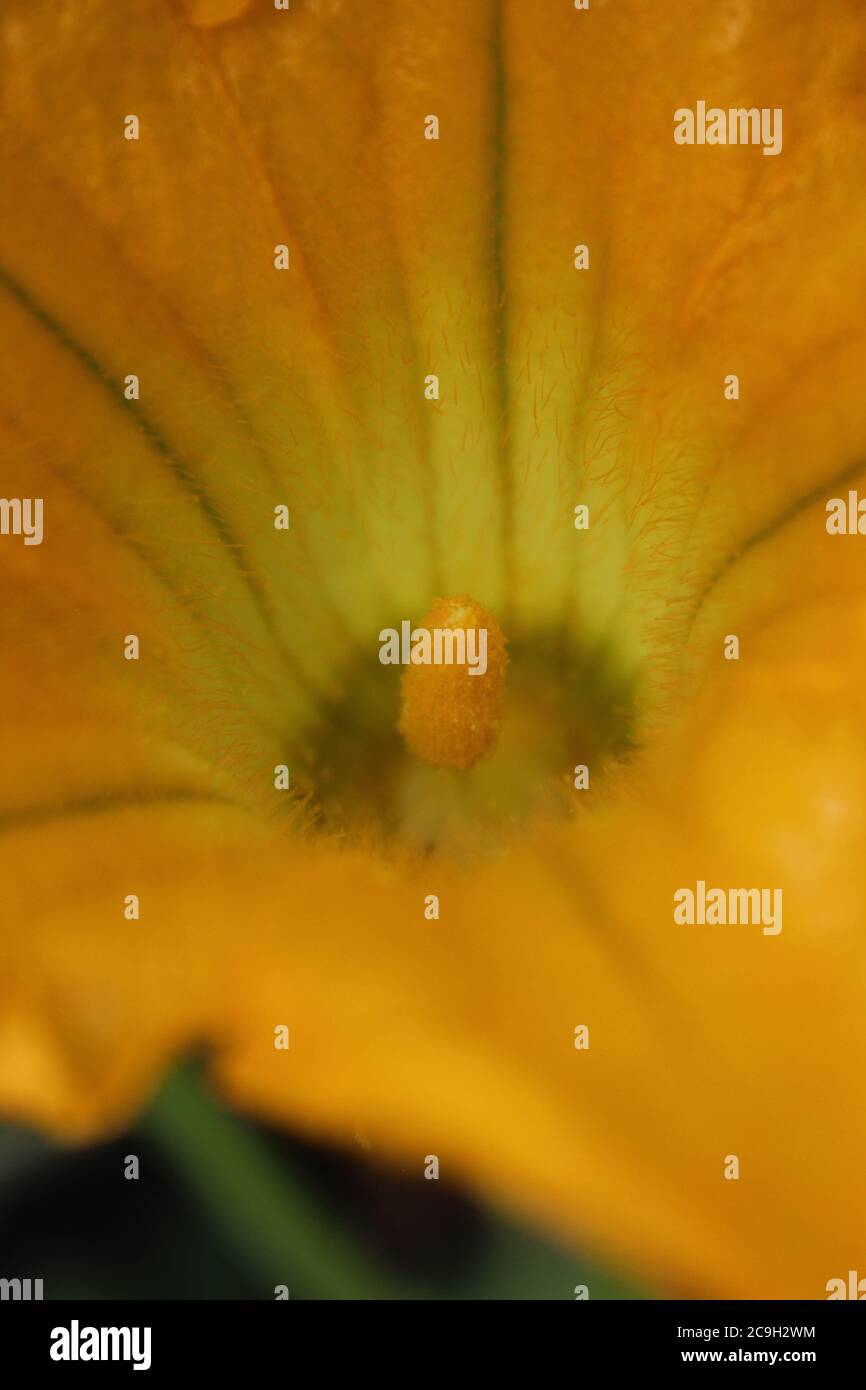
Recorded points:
(564,707)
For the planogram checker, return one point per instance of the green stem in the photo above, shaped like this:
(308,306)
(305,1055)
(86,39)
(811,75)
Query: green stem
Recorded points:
(277,1229)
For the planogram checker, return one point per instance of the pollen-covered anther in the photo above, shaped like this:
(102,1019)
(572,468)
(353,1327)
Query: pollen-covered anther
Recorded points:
(453,688)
